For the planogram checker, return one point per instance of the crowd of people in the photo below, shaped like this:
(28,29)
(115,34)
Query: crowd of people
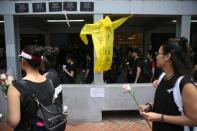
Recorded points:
(133,68)
(74,67)
(43,73)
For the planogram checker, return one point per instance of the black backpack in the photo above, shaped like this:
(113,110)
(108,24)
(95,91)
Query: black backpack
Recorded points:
(51,115)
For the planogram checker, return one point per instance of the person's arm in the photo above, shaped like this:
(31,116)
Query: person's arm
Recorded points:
(137,74)
(189,96)
(155,83)
(195,68)
(13,106)
(71,73)
(178,120)
(87,72)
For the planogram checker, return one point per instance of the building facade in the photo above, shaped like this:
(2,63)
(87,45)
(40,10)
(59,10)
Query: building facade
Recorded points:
(24,18)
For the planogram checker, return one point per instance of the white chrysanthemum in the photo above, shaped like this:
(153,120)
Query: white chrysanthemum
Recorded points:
(126,87)
(3,76)
(11,78)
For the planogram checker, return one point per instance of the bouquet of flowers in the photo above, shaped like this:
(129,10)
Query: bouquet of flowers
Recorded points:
(5,81)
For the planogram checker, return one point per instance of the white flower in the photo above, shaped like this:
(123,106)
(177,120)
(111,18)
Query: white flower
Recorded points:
(1,115)
(3,76)
(126,87)
(5,81)
(10,78)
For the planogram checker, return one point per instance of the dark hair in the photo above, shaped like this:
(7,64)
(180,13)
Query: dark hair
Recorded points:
(152,53)
(36,51)
(69,56)
(137,50)
(49,57)
(180,55)
(183,41)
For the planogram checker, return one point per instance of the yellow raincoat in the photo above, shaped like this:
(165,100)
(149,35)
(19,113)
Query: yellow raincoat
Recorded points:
(103,37)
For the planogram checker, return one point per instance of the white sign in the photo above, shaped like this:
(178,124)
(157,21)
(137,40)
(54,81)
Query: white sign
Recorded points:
(96,92)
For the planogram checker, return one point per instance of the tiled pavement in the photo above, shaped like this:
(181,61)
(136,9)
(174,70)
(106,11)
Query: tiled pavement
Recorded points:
(112,123)
(121,122)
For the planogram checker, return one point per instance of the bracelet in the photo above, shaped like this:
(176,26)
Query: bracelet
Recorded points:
(150,105)
(162,117)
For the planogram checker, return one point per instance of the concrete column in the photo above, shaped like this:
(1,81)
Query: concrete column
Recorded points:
(47,38)
(183,26)
(178,26)
(12,42)
(98,77)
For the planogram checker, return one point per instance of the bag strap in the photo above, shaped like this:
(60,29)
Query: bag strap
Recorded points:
(178,99)
(161,76)
(52,90)
(176,92)
(24,84)
(35,97)
(177,95)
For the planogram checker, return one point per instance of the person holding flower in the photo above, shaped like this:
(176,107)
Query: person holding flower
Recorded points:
(174,59)
(22,107)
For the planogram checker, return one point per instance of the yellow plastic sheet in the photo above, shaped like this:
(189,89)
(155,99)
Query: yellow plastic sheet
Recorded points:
(103,38)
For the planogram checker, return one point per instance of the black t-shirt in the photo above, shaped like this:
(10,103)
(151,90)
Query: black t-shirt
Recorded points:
(130,70)
(44,92)
(89,65)
(138,63)
(67,79)
(53,76)
(164,103)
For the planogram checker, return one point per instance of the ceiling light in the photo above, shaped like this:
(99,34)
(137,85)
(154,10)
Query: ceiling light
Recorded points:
(1,21)
(58,21)
(192,21)
(131,38)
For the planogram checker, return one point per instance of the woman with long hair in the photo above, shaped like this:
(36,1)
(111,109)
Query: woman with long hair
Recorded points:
(22,108)
(174,59)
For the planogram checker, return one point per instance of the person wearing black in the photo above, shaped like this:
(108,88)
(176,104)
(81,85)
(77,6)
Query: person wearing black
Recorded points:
(173,57)
(49,63)
(195,65)
(138,66)
(130,68)
(3,66)
(22,108)
(69,71)
(151,64)
(89,69)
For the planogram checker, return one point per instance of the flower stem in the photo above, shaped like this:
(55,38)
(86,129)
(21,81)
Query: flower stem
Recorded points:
(133,96)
